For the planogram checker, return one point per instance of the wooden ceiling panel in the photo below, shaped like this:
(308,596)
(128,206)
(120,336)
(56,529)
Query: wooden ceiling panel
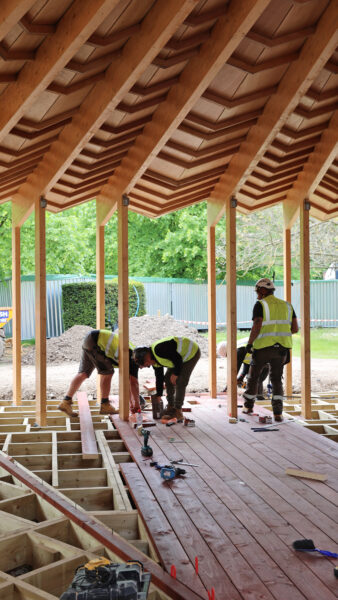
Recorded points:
(189,161)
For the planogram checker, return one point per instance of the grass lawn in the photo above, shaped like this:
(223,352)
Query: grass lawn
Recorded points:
(324,341)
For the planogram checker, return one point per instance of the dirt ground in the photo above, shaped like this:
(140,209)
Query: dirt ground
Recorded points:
(324,377)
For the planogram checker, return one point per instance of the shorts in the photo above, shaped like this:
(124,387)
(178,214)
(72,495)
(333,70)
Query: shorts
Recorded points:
(93,357)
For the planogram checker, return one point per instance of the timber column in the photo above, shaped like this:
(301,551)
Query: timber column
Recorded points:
(231,319)
(212,312)
(40,311)
(287,297)
(305,309)
(100,293)
(123,306)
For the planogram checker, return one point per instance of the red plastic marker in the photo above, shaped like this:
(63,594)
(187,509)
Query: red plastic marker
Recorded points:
(173,571)
(196,564)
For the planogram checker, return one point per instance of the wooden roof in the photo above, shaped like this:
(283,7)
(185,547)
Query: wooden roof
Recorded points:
(171,102)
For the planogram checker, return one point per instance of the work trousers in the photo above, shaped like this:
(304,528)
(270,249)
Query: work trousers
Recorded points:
(275,356)
(176,393)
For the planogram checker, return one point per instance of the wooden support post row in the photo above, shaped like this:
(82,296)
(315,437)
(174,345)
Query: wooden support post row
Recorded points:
(305,308)
(123,307)
(231,319)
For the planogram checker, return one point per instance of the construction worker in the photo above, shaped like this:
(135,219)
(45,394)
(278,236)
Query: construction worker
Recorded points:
(100,350)
(180,356)
(222,350)
(270,340)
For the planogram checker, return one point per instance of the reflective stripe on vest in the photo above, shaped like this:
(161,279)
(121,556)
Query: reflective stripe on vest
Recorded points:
(109,342)
(275,330)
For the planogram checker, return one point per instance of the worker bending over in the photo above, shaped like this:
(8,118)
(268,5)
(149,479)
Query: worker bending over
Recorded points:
(180,356)
(270,340)
(100,350)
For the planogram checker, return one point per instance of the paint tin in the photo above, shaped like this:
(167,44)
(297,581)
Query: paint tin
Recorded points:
(188,422)
(262,419)
(268,420)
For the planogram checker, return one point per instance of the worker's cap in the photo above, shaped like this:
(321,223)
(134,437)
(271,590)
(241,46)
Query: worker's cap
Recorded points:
(222,349)
(140,354)
(265,283)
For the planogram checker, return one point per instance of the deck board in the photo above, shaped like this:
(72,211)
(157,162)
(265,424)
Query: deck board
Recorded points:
(243,506)
(88,440)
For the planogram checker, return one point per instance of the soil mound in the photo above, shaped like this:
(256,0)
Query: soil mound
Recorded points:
(143,331)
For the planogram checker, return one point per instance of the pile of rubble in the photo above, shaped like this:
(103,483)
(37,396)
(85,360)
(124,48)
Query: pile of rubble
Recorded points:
(143,331)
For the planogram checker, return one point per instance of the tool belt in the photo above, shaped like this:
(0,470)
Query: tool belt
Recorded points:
(101,579)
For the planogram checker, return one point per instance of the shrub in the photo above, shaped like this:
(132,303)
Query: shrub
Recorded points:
(79,303)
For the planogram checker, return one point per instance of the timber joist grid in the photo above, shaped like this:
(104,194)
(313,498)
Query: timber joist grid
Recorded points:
(172,103)
(47,532)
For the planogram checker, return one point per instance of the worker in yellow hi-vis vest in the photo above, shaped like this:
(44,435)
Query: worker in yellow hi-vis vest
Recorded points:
(270,340)
(100,350)
(180,355)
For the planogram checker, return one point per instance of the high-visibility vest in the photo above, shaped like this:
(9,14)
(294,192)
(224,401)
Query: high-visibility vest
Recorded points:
(185,347)
(276,325)
(108,341)
(247,358)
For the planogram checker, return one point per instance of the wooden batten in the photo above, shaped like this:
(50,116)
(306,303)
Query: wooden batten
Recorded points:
(212,312)
(231,319)
(123,307)
(305,309)
(287,297)
(40,312)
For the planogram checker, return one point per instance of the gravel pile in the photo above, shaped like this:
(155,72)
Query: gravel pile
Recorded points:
(143,331)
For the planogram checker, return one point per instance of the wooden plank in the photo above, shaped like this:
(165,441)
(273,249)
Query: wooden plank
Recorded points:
(299,76)
(231,305)
(212,311)
(88,441)
(225,36)
(120,547)
(40,313)
(123,308)
(306,474)
(16,303)
(166,544)
(287,297)
(55,471)
(79,22)
(305,335)
(159,24)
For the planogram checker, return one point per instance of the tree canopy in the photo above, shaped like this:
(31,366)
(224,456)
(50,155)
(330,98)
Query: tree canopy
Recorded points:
(174,245)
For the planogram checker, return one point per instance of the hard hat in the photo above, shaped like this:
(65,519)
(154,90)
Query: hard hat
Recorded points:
(222,349)
(265,283)
(139,354)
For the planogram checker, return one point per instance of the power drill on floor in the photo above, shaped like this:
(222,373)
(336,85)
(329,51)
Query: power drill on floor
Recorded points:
(168,472)
(146,450)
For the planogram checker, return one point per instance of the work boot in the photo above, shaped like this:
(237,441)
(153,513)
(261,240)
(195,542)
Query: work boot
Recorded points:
(66,407)
(260,397)
(169,412)
(278,418)
(107,409)
(247,410)
(179,415)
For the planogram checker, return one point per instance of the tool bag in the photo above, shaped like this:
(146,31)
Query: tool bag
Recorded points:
(100,579)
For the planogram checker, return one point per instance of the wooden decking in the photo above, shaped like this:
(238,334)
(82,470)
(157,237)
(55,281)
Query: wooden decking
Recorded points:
(238,512)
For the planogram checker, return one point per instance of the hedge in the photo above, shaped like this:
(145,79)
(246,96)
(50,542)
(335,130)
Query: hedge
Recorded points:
(79,303)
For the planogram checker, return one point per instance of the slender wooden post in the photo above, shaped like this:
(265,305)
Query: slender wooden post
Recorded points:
(231,204)
(16,304)
(212,312)
(100,293)
(305,309)
(287,297)
(40,311)
(123,306)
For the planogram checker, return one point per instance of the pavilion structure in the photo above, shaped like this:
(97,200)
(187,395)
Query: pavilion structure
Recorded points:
(153,106)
